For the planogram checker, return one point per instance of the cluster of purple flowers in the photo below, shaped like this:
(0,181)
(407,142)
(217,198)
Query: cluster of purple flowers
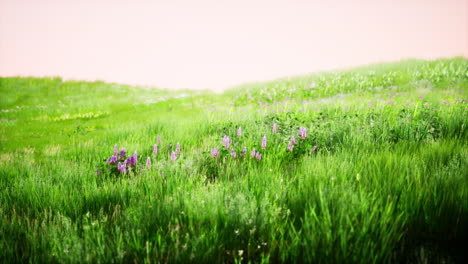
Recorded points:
(215,153)
(119,162)
(256,155)
(122,168)
(127,164)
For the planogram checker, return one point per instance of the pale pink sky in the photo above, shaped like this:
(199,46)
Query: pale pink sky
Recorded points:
(215,43)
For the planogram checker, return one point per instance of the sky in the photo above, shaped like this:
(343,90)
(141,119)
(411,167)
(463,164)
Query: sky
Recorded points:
(216,44)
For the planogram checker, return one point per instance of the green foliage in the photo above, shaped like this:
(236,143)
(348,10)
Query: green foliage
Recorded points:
(386,183)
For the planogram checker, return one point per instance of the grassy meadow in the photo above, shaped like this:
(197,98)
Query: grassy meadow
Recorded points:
(379,173)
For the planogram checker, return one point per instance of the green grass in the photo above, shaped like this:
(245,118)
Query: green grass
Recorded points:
(388,181)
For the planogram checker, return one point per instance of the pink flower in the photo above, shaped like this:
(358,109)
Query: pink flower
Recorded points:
(116,150)
(159,140)
(173,156)
(215,153)
(264,142)
(293,140)
(252,154)
(239,132)
(226,142)
(122,168)
(155,149)
(148,162)
(122,153)
(233,153)
(178,148)
(313,149)
(112,160)
(258,156)
(290,147)
(302,132)
(274,128)
(132,160)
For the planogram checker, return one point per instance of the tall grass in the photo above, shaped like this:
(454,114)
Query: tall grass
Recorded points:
(386,183)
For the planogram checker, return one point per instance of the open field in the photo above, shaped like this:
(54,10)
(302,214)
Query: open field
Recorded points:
(379,174)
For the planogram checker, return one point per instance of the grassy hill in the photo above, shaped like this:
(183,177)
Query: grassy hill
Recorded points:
(377,174)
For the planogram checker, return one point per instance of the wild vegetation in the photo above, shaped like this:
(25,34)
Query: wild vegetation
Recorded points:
(368,165)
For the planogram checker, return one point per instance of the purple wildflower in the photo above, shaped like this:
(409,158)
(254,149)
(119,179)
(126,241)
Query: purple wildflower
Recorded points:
(226,142)
(313,149)
(112,160)
(233,153)
(274,128)
(173,156)
(258,156)
(148,162)
(290,147)
(122,168)
(215,152)
(132,160)
(116,150)
(122,153)
(252,154)
(303,132)
(155,149)
(243,152)
(159,140)
(264,142)
(178,148)
(293,140)
(239,132)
